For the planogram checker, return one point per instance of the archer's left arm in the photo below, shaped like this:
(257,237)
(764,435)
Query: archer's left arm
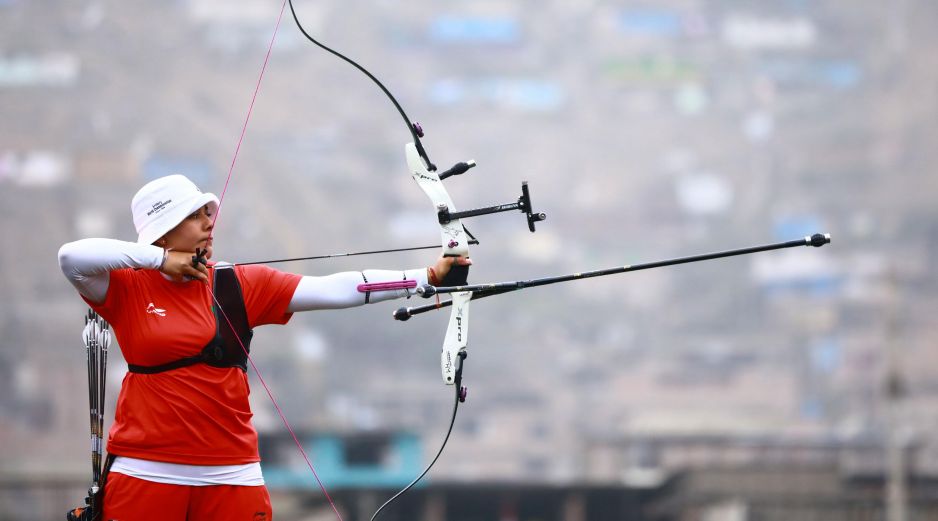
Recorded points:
(350,288)
(355,288)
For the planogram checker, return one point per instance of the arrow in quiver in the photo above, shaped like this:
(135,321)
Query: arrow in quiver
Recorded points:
(97,338)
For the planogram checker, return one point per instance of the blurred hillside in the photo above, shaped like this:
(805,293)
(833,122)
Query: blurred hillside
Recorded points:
(647,130)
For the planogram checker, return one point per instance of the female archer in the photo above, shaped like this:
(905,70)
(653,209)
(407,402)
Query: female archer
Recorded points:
(182,445)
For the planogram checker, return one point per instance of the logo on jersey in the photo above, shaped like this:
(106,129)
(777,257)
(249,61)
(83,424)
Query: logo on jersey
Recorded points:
(153,310)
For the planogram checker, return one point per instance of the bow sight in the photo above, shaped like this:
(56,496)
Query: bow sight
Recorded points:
(524,205)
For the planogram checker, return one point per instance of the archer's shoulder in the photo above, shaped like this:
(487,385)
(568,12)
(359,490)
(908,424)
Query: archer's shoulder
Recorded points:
(257,272)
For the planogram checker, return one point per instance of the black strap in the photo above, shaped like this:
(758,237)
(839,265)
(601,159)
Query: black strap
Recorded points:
(98,504)
(153,369)
(367,293)
(233,333)
(225,349)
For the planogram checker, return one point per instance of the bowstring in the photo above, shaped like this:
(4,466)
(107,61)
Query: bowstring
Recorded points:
(247,118)
(283,418)
(221,200)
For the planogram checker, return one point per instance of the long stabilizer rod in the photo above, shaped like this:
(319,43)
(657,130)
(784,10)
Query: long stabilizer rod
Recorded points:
(485,290)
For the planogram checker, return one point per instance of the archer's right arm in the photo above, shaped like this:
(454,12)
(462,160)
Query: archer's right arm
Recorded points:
(87,263)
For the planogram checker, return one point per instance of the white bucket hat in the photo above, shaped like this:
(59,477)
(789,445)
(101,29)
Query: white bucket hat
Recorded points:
(163,203)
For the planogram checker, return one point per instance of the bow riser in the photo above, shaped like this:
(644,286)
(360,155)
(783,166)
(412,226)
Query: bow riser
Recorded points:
(455,244)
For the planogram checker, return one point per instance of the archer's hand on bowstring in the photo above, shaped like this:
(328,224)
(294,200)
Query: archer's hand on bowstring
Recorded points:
(438,272)
(179,265)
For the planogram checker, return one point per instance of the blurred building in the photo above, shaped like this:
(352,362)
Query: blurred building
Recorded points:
(645,131)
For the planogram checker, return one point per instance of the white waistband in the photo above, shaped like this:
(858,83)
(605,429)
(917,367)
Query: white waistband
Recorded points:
(248,474)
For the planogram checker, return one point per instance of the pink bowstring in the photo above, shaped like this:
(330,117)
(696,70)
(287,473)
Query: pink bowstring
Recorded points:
(283,418)
(247,118)
(221,200)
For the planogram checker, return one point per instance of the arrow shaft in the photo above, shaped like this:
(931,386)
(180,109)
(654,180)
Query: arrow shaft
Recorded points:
(350,254)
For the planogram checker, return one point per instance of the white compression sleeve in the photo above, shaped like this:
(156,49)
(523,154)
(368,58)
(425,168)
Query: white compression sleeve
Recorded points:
(340,290)
(87,263)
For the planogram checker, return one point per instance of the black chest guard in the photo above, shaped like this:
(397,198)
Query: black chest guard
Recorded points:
(225,349)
